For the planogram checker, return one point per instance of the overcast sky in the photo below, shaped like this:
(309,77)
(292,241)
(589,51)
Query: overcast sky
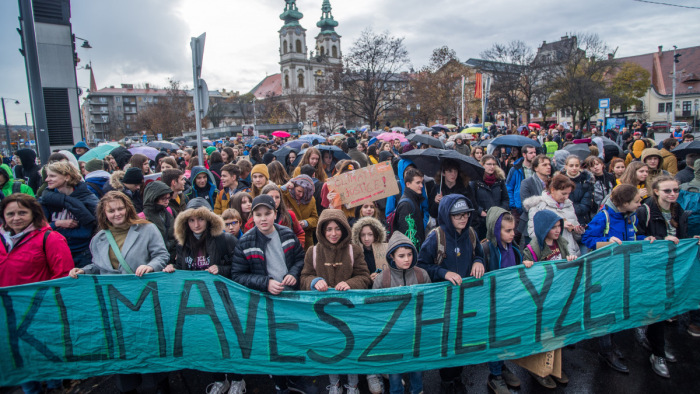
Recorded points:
(139,41)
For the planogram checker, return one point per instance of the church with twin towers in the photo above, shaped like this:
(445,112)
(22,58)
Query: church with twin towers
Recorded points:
(302,69)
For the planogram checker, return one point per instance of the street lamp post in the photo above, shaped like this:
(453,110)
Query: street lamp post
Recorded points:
(7,128)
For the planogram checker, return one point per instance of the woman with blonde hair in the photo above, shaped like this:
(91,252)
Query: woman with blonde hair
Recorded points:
(636,174)
(312,157)
(69,207)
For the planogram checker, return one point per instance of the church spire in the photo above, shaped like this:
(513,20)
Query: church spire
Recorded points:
(327,23)
(291,14)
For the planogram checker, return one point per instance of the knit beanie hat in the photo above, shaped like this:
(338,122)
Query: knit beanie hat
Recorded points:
(133,176)
(352,143)
(210,150)
(260,169)
(94,165)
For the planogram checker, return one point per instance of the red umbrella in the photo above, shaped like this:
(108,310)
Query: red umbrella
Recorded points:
(281,134)
(534,125)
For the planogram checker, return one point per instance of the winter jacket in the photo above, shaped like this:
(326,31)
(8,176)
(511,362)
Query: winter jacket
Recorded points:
(401,277)
(80,205)
(462,148)
(294,226)
(694,185)
(7,187)
(565,211)
(408,216)
(304,210)
(391,201)
(334,263)
(215,170)
(492,253)
(79,144)
(670,162)
(686,175)
(615,224)
(602,187)
(209,192)
(537,249)
(530,187)
(582,196)
(30,168)
(659,170)
(121,156)
(96,181)
(650,221)
(177,207)
(159,215)
(458,246)
(459,188)
(115,183)
(223,198)
(219,245)
(378,247)
(515,176)
(635,153)
(249,267)
(35,258)
(486,196)
(359,157)
(143,246)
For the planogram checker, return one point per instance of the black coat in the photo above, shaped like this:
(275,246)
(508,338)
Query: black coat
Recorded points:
(404,210)
(219,248)
(489,196)
(650,221)
(458,188)
(582,197)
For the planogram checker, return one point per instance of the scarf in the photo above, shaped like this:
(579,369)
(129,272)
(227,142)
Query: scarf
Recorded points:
(12,240)
(490,179)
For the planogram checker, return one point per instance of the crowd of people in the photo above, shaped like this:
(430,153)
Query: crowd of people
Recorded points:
(266,218)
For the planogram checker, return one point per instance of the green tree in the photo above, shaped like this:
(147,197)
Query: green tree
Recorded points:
(628,85)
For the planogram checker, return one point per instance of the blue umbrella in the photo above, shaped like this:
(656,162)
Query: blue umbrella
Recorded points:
(312,137)
(521,128)
(514,140)
(296,144)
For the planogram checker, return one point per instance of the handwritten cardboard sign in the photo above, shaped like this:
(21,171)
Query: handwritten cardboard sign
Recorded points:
(365,184)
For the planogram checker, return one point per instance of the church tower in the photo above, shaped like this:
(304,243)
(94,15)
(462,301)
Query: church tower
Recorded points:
(293,50)
(328,41)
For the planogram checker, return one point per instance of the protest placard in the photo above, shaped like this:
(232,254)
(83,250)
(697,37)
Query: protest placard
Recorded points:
(364,185)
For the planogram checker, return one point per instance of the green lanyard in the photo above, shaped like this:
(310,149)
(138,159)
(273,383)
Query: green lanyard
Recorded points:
(118,253)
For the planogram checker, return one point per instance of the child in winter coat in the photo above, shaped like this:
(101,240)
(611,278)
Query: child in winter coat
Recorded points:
(546,245)
(203,185)
(402,258)
(334,262)
(500,252)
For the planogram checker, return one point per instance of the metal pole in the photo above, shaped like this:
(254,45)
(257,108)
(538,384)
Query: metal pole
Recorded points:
(7,128)
(461,120)
(673,99)
(255,120)
(36,92)
(198,122)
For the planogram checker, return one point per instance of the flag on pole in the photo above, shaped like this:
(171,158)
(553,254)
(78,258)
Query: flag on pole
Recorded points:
(477,86)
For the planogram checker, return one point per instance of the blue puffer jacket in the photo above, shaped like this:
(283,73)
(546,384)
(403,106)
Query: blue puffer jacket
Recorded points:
(616,224)
(515,176)
(458,246)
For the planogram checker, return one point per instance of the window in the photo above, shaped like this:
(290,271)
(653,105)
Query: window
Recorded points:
(286,81)
(298,46)
(687,106)
(334,51)
(120,117)
(155,100)
(119,108)
(128,126)
(103,99)
(301,81)
(128,117)
(118,99)
(323,51)
(662,106)
(669,107)
(105,119)
(284,47)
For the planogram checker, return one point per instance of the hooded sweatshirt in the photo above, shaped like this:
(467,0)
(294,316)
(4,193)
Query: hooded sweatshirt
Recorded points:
(458,245)
(538,250)
(30,168)
(399,276)
(375,257)
(209,192)
(498,256)
(80,144)
(158,214)
(658,171)
(636,152)
(565,211)
(615,224)
(334,263)
(7,187)
(304,208)
(694,185)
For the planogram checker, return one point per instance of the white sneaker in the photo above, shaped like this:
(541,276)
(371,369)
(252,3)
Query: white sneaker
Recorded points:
(218,387)
(237,387)
(375,383)
(352,390)
(335,389)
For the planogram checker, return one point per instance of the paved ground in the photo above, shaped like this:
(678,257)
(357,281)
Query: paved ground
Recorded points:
(586,373)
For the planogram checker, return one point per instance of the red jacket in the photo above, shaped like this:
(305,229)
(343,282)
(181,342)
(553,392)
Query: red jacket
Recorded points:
(31,261)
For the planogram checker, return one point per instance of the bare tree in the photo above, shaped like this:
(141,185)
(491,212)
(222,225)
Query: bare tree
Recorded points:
(170,116)
(372,80)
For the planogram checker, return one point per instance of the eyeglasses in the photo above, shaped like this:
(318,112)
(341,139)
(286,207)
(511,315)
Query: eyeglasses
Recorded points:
(461,215)
(231,224)
(668,191)
(164,197)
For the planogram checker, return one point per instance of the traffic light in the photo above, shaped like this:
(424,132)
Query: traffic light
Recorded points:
(675,58)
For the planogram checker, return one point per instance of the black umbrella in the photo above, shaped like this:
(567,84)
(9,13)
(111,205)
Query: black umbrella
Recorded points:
(163,145)
(338,153)
(683,149)
(194,143)
(282,153)
(611,148)
(579,150)
(430,161)
(426,140)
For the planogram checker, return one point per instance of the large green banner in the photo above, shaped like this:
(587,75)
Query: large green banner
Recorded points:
(98,325)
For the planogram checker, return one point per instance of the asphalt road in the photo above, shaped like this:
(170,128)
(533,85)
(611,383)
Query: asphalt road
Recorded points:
(586,373)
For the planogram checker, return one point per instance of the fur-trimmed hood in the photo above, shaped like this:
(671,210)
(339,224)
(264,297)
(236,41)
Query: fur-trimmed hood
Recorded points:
(368,221)
(116,180)
(535,200)
(216,224)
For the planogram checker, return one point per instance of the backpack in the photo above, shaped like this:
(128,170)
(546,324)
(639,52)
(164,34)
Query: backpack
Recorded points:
(442,243)
(391,219)
(96,188)
(607,221)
